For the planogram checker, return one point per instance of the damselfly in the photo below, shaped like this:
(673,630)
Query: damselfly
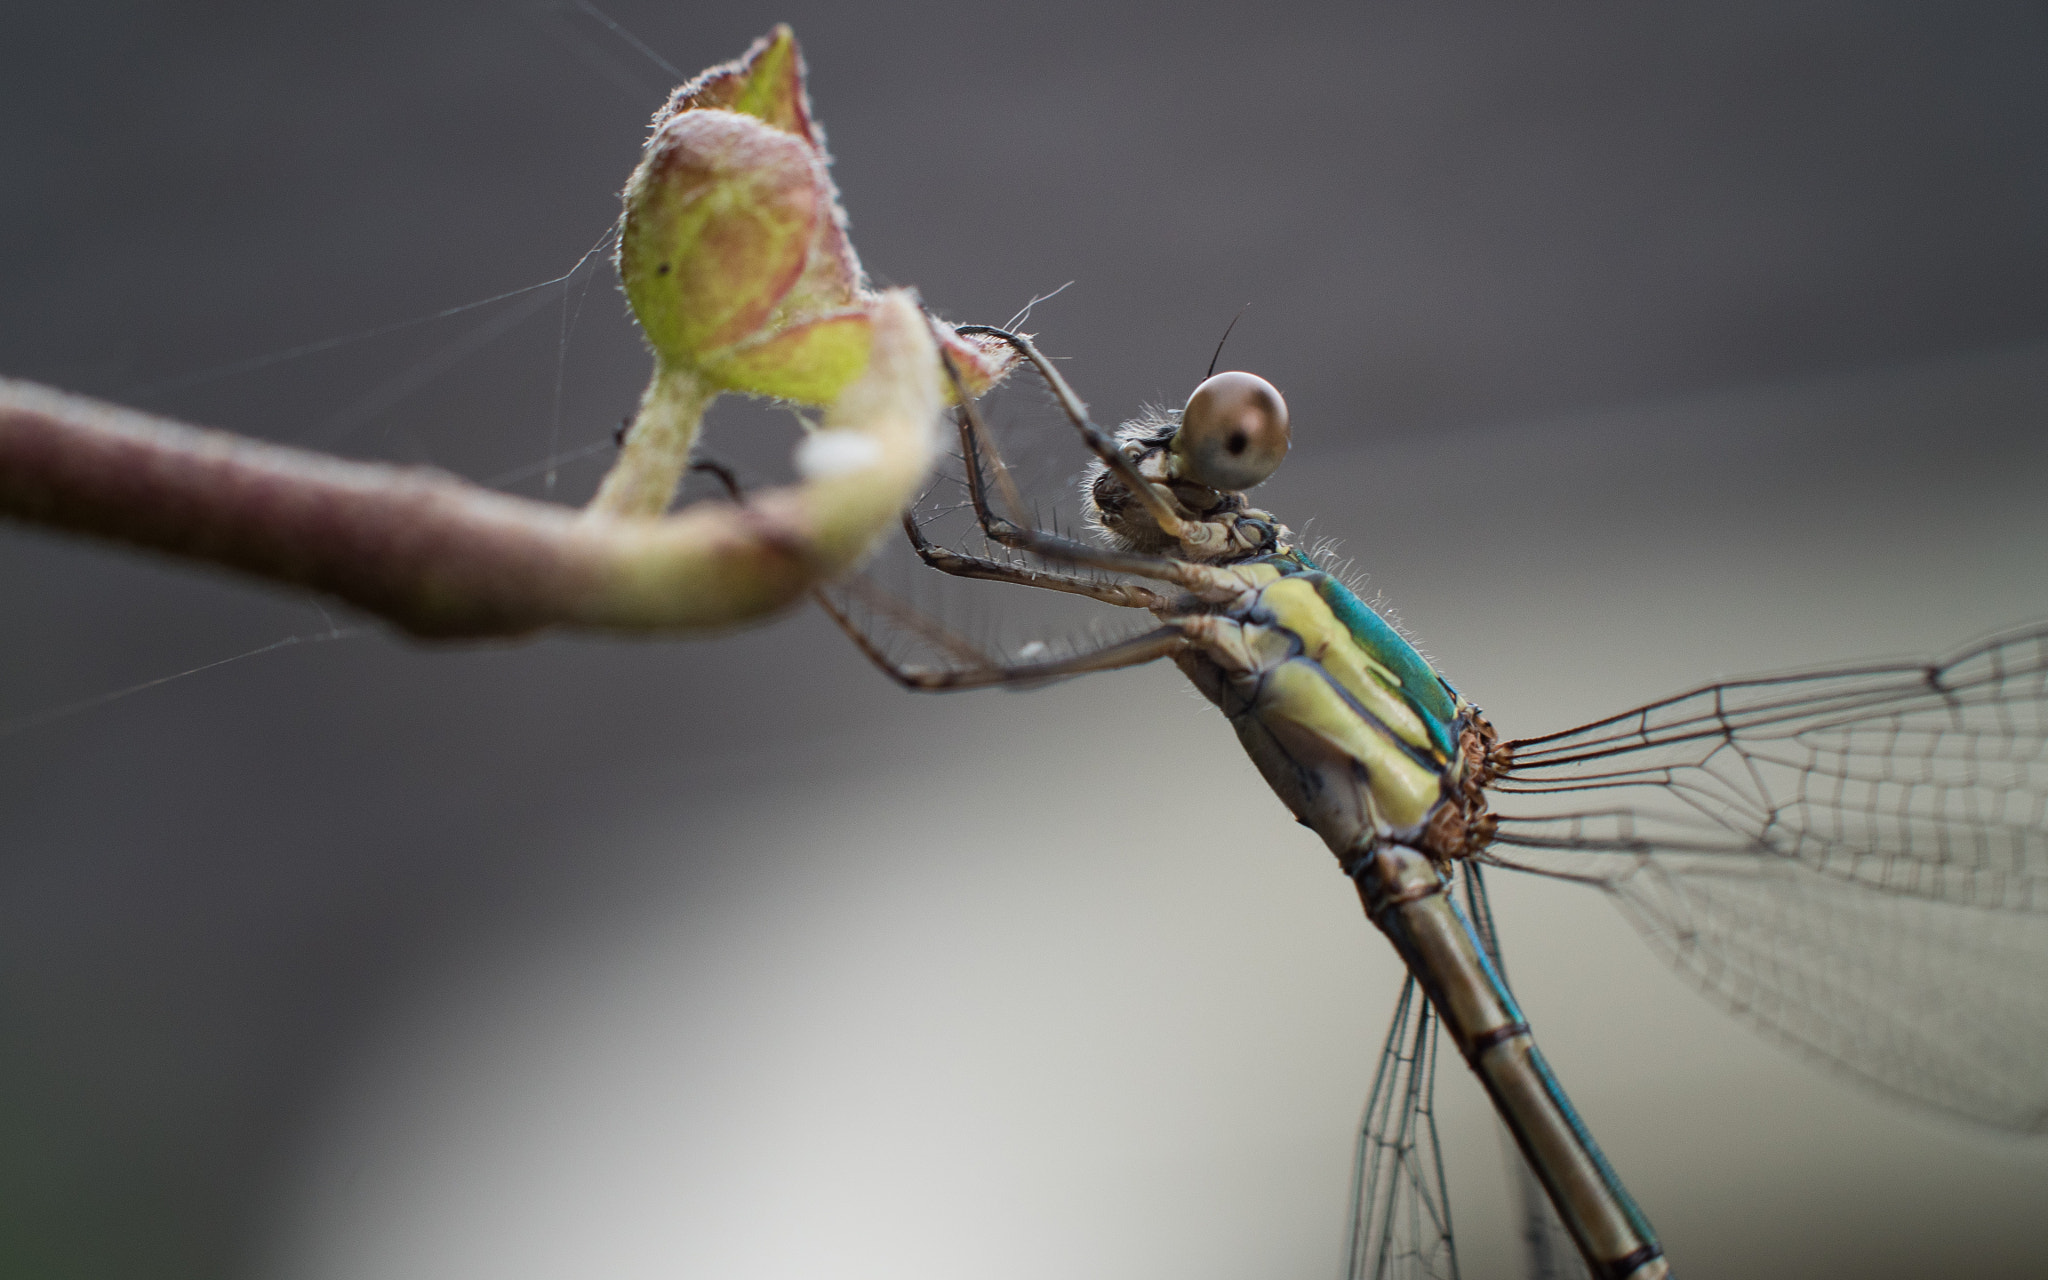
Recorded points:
(1855,860)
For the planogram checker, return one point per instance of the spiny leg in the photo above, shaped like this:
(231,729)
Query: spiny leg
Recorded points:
(1099,442)
(1125,594)
(902,614)
(939,637)
(1009,533)
(1135,651)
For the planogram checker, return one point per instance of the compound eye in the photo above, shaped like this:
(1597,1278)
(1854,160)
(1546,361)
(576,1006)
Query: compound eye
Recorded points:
(1233,434)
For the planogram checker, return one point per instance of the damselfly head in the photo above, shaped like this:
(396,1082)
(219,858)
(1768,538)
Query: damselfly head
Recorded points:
(1214,524)
(1233,433)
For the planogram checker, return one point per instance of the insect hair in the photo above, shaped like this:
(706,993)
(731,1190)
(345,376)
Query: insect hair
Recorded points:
(1153,424)
(1326,551)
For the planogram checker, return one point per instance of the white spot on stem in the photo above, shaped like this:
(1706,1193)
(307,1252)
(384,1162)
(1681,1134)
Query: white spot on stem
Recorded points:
(826,455)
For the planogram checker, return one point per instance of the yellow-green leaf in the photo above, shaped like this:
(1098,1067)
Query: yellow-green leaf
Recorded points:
(810,363)
(721,216)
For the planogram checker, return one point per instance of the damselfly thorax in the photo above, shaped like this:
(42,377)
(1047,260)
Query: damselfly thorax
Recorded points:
(1359,738)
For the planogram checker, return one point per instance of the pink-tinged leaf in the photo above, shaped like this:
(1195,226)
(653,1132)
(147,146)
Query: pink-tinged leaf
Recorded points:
(831,279)
(981,359)
(766,82)
(722,217)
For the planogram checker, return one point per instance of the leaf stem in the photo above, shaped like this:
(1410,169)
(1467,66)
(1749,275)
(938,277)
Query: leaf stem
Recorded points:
(642,482)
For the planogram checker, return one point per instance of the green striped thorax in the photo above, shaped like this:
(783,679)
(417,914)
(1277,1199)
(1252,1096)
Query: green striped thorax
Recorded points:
(1360,738)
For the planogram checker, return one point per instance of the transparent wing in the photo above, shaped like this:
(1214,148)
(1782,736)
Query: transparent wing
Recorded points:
(1547,1249)
(1401,1216)
(1930,780)
(1853,860)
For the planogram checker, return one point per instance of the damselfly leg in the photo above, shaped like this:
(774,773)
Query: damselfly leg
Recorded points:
(970,666)
(975,439)
(1128,595)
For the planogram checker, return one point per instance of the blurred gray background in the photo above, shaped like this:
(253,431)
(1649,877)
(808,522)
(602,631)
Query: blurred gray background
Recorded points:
(1627,347)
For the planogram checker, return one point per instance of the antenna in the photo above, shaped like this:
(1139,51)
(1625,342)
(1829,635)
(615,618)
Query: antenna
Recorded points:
(1225,338)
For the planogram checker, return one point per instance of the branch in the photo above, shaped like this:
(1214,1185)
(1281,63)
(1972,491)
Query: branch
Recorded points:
(441,557)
